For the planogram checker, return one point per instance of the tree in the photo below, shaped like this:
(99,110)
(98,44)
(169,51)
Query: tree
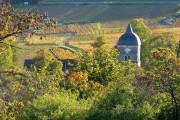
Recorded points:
(6,55)
(121,100)
(141,29)
(9,53)
(78,82)
(166,40)
(101,65)
(8,110)
(18,86)
(62,105)
(43,58)
(99,42)
(163,76)
(47,66)
(14,22)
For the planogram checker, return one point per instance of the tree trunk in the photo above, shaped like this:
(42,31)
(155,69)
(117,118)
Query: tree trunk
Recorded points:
(175,104)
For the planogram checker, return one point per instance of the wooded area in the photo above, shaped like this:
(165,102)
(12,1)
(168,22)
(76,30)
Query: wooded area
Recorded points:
(98,87)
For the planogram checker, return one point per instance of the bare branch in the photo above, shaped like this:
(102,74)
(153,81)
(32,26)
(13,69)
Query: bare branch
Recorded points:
(9,35)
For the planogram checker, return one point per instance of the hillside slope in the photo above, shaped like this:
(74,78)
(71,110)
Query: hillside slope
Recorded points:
(108,2)
(105,13)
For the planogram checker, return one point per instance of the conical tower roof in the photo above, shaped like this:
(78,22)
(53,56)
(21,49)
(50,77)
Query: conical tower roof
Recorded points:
(129,38)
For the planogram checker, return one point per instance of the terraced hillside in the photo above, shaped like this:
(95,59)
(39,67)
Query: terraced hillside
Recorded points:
(108,2)
(103,13)
(105,0)
(67,11)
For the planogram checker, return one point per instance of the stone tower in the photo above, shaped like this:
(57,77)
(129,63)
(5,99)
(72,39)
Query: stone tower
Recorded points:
(129,46)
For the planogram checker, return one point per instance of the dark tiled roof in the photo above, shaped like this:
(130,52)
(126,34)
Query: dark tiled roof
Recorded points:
(129,38)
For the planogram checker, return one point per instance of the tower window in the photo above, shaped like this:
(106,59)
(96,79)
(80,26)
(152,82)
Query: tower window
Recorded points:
(127,58)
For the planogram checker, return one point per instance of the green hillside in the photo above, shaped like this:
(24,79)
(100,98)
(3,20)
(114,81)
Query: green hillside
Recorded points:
(108,1)
(70,11)
(103,13)
(91,1)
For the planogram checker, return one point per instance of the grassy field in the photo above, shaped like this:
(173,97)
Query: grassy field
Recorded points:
(44,40)
(111,39)
(167,30)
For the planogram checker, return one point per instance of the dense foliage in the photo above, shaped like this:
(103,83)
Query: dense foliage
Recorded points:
(98,88)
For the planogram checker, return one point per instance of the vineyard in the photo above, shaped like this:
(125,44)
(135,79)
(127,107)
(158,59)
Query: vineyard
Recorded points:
(84,35)
(84,29)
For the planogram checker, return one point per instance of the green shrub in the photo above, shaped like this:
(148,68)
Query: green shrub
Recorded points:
(58,106)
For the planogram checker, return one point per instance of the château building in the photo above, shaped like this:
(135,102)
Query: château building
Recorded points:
(129,46)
